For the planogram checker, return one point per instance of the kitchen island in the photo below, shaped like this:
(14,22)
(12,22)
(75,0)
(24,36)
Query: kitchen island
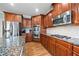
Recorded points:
(14,47)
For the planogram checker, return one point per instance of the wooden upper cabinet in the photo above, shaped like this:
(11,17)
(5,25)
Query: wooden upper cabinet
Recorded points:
(48,20)
(9,17)
(38,20)
(26,22)
(18,18)
(75,14)
(12,17)
(66,7)
(60,8)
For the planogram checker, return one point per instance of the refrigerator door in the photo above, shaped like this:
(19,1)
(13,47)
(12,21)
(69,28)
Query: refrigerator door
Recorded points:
(15,34)
(11,34)
(8,34)
(15,28)
(8,29)
(1,34)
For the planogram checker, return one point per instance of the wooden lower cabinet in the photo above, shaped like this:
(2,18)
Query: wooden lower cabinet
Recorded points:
(75,50)
(28,37)
(75,54)
(48,43)
(56,46)
(63,48)
(51,45)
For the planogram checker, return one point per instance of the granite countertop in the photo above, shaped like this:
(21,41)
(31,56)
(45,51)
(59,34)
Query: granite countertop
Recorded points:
(15,49)
(74,41)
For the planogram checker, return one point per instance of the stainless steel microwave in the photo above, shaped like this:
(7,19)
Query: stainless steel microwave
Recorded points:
(62,19)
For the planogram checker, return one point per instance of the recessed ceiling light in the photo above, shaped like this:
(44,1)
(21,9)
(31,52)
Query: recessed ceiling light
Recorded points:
(12,4)
(36,10)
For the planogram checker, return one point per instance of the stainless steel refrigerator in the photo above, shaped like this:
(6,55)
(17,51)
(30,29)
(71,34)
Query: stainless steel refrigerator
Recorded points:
(11,32)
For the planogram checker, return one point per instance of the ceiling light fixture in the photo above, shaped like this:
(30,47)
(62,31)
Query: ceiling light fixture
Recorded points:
(37,10)
(12,4)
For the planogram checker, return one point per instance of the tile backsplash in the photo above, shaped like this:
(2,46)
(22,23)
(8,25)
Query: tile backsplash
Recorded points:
(68,30)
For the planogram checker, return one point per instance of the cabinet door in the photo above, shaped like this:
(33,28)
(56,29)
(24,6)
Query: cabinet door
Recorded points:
(75,14)
(24,23)
(41,38)
(36,20)
(46,41)
(18,18)
(52,46)
(50,20)
(9,17)
(46,21)
(29,37)
(75,54)
(75,50)
(63,48)
(28,23)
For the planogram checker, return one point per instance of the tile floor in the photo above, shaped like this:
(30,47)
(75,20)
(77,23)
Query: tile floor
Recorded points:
(35,49)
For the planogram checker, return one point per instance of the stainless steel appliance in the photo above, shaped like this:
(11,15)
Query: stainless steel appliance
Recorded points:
(11,30)
(36,31)
(64,18)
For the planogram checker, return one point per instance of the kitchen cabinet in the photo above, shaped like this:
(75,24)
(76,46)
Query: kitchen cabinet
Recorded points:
(66,7)
(27,22)
(12,17)
(18,18)
(58,8)
(56,46)
(38,20)
(28,37)
(51,45)
(9,17)
(48,43)
(63,48)
(24,23)
(75,54)
(48,21)
(44,40)
(75,14)
(75,50)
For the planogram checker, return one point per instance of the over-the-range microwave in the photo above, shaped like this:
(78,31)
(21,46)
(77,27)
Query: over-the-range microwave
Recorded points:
(62,19)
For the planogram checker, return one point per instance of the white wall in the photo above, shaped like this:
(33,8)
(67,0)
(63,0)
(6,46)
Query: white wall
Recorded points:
(68,30)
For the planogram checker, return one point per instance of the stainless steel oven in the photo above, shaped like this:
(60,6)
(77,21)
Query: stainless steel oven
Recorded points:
(36,31)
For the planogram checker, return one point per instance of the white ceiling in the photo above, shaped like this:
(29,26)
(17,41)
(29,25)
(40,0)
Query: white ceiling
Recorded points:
(27,9)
